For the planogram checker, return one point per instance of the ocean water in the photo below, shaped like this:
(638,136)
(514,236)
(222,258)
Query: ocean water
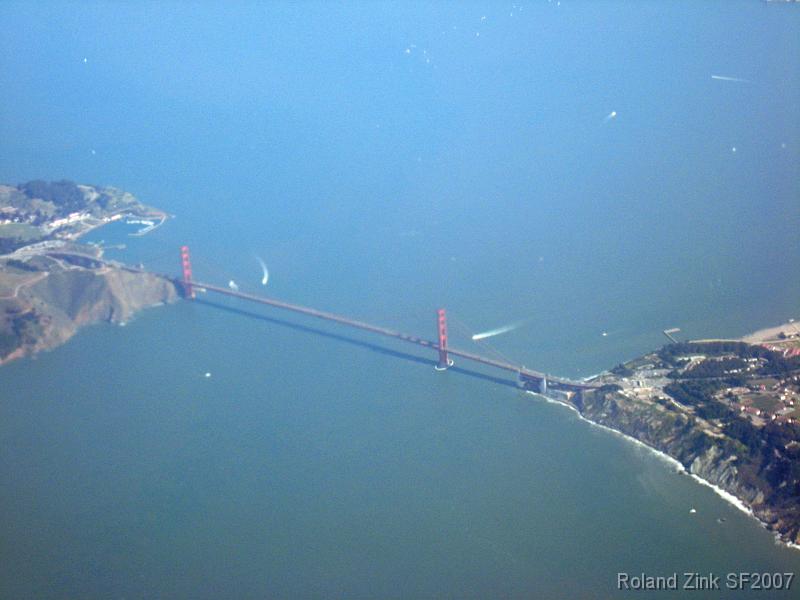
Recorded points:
(386,160)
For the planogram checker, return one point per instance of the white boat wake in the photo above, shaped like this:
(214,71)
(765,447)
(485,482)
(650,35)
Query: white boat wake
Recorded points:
(498,331)
(726,78)
(265,276)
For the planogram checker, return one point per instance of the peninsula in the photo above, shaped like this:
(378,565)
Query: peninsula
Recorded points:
(50,283)
(727,410)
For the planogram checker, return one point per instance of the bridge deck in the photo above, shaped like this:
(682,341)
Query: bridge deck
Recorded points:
(523,372)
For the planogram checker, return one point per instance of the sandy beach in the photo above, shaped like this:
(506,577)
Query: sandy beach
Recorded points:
(771,333)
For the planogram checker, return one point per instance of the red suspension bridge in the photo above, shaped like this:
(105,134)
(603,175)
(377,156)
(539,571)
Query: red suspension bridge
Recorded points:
(527,378)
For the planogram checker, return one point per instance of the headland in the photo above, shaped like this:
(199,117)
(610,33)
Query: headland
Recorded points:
(727,410)
(50,283)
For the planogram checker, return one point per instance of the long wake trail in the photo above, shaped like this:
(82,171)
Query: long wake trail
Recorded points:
(497,331)
(726,78)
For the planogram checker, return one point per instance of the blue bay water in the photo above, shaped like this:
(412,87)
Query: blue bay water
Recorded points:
(473,172)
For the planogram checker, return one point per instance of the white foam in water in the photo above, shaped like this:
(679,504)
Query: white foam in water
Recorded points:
(728,497)
(779,542)
(724,495)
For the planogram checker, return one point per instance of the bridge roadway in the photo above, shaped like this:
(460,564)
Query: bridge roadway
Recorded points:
(525,374)
(522,372)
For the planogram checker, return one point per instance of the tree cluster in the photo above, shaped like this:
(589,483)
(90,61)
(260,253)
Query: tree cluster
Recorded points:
(9,244)
(622,371)
(775,363)
(66,195)
(21,265)
(672,352)
(712,368)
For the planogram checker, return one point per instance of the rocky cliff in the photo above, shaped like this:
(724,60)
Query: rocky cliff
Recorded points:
(51,285)
(704,452)
(53,300)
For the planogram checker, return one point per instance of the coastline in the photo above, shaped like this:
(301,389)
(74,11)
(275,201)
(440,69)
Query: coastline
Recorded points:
(40,312)
(662,455)
(672,461)
(770,333)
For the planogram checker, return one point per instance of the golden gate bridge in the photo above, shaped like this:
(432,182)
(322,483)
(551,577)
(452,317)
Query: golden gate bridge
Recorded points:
(526,378)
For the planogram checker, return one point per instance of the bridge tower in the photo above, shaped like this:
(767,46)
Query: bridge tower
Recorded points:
(444,361)
(186,265)
(520,379)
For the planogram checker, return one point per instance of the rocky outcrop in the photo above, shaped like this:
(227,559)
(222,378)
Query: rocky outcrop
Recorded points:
(51,310)
(51,285)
